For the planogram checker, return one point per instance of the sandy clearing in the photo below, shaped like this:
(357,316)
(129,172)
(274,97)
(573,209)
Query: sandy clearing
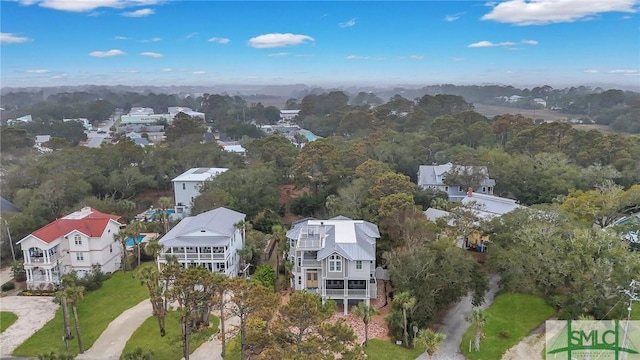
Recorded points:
(33,312)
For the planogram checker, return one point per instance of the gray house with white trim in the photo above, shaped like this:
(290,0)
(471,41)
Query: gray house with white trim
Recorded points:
(433,177)
(210,240)
(335,258)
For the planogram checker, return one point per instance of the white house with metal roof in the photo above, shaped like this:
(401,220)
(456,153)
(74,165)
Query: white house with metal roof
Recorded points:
(433,177)
(211,240)
(488,207)
(335,258)
(187,186)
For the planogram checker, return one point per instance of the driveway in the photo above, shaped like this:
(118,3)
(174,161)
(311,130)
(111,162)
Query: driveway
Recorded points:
(454,325)
(111,342)
(33,312)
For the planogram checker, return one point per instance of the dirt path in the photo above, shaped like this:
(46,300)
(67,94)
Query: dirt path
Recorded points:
(529,348)
(111,342)
(454,325)
(212,348)
(33,312)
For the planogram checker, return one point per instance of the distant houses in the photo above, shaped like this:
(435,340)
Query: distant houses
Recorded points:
(435,177)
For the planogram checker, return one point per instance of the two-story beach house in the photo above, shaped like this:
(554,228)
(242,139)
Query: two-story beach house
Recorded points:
(211,240)
(187,186)
(433,177)
(74,242)
(335,258)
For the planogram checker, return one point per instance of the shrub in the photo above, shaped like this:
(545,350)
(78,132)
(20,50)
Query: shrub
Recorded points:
(504,334)
(8,286)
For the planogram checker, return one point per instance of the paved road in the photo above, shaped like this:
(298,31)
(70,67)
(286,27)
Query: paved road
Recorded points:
(111,342)
(454,325)
(33,312)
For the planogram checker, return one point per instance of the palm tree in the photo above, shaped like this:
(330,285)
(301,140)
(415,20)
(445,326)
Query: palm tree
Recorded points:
(154,249)
(134,229)
(151,278)
(366,312)
(477,318)
(280,236)
(406,302)
(75,294)
(62,299)
(165,204)
(429,340)
(122,236)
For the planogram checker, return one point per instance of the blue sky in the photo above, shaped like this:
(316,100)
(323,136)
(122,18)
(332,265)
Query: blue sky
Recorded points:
(326,43)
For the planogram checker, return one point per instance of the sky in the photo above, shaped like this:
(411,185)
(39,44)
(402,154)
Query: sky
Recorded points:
(325,43)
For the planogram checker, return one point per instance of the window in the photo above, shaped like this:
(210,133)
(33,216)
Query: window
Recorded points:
(484,189)
(335,263)
(358,264)
(111,248)
(460,189)
(184,186)
(77,239)
(446,189)
(79,256)
(299,280)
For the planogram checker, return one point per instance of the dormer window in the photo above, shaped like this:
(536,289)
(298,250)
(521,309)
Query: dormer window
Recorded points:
(77,240)
(335,263)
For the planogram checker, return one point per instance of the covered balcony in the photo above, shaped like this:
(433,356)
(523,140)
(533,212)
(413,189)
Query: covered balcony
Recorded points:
(203,253)
(36,256)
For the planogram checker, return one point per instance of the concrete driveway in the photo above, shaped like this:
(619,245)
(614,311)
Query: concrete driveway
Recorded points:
(32,311)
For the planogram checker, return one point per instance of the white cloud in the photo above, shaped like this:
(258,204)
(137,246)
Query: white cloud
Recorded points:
(39,71)
(59,76)
(189,36)
(457,59)
(128,71)
(120,38)
(485,43)
(219,40)
(530,42)
(278,54)
(454,17)
(200,72)
(11,38)
(151,54)
(624,72)
(275,40)
(357,57)
(591,71)
(88,5)
(138,13)
(155,39)
(349,23)
(540,12)
(114,52)
(167,70)
(416,57)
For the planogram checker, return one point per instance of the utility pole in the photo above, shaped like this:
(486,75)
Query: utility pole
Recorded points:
(13,252)
(632,293)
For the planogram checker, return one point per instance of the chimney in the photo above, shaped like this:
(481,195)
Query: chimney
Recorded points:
(470,192)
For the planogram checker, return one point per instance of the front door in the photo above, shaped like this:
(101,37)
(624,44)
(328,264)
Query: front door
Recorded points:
(312,279)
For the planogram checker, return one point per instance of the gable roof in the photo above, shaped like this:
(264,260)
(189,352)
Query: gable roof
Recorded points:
(491,206)
(435,174)
(351,239)
(214,227)
(88,221)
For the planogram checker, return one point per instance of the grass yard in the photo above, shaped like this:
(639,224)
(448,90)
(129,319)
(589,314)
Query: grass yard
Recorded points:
(384,349)
(7,318)
(510,318)
(233,349)
(169,347)
(117,294)
(635,312)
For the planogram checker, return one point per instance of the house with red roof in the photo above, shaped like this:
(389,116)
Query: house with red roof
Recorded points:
(74,242)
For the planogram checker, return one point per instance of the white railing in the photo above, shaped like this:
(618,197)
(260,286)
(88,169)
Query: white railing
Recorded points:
(308,244)
(349,293)
(196,256)
(41,260)
(43,278)
(310,263)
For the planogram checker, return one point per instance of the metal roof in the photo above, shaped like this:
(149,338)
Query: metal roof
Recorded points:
(214,227)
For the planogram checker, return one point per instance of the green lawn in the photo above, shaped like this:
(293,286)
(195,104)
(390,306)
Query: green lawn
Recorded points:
(7,318)
(233,349)
(513,315)
(385,349)
(119,293)
(169,347)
